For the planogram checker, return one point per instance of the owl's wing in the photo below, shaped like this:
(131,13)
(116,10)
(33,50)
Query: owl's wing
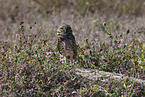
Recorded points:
(73,45)
(59,46)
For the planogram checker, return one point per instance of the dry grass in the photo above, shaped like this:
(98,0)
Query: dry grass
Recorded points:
(110,36)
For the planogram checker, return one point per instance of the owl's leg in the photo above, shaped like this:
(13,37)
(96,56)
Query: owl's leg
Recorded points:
(71,61)
(65,60)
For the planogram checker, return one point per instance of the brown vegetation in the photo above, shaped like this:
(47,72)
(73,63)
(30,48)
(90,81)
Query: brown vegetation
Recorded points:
(110,35)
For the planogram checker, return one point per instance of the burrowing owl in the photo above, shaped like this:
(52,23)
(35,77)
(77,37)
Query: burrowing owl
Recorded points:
(66,42)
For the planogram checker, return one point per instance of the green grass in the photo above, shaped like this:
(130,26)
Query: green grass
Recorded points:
(109,34)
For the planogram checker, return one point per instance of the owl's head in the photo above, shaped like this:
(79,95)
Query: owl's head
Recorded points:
(64,30)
